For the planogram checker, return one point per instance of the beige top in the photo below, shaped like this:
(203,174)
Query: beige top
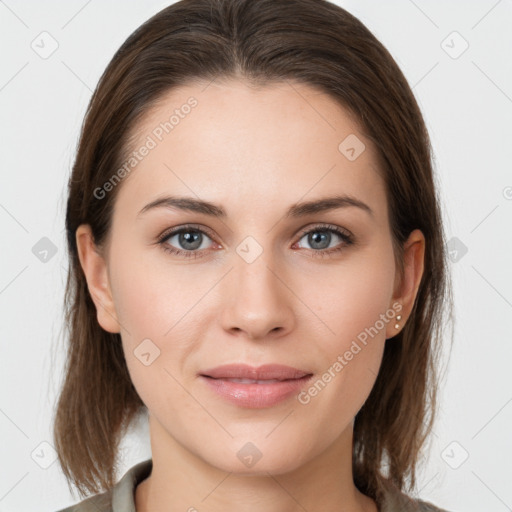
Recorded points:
(121,498)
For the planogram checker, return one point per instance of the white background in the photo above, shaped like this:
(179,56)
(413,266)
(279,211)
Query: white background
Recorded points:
(467,104)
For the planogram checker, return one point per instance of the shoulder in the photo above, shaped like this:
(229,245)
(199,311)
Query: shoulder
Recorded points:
(392,499)
(425,506)
(98,503)
(405,503)
(120,498)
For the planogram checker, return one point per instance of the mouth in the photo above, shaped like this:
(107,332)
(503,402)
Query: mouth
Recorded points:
(255,388)
(267,372)
(248,381)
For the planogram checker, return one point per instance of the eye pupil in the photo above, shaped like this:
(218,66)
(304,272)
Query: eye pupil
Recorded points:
(319,237)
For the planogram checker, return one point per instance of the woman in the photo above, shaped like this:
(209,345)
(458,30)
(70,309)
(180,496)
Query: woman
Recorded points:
(257,261)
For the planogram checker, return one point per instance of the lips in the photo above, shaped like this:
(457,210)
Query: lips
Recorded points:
(265,374)
(255,388)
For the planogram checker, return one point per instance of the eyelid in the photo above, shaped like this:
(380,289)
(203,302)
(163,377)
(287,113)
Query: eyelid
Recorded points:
(177,229)
(183,227)
(324,226)
(347,237)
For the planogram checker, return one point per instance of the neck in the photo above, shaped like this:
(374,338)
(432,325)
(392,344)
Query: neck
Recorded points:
(180,480)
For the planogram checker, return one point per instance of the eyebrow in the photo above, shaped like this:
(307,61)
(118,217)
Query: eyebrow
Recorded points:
(295,211)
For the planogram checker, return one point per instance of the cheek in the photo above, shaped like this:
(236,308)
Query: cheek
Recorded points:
(349,299)
(352,345)
(152,295)
(159,310)
(350,302)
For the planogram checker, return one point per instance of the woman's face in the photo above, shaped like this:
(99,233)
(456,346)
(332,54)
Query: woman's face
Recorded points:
(251,286)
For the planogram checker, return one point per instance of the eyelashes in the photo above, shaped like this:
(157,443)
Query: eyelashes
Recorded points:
(198,235)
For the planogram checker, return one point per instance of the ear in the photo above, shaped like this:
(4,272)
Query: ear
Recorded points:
(95,270)
(405,289)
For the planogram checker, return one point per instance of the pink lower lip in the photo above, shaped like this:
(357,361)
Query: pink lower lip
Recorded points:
(256,396)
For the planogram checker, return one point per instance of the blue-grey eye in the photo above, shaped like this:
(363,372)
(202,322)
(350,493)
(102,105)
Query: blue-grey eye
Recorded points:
(188,239)
(321,238)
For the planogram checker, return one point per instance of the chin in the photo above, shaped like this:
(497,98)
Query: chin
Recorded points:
(257,458)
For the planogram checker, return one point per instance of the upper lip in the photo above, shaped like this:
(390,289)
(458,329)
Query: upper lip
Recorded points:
(264,372)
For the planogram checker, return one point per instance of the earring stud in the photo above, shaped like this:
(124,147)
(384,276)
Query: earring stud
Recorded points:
(399,317)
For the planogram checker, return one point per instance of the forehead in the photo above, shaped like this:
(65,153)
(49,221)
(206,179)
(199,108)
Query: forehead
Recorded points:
(231,142)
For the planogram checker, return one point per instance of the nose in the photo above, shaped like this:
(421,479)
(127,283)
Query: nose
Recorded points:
(258,301)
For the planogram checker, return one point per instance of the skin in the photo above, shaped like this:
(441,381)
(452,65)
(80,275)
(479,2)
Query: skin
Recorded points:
(255,152)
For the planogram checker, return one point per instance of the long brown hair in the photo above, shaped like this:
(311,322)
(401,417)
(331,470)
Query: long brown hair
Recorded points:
(312,42)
